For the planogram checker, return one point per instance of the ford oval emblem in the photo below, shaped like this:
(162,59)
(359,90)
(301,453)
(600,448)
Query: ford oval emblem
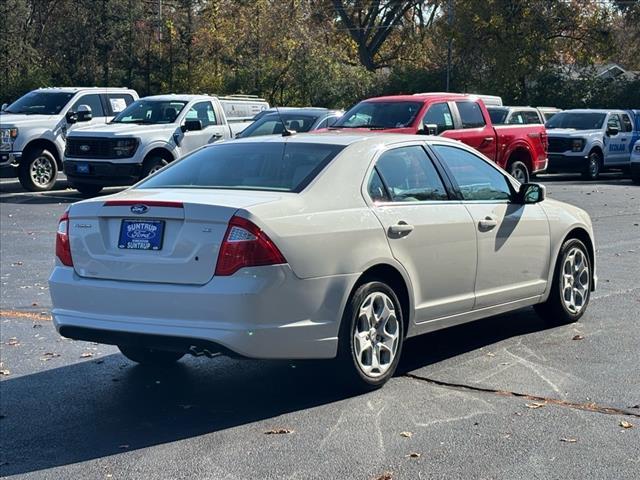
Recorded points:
(139,209)
(85,148)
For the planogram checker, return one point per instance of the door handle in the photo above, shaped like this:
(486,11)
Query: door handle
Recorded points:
(486,141)
(400,229)
(488,223)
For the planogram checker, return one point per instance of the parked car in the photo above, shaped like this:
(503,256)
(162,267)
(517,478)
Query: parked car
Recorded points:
(548,112)
(515,116)
(33,129)
(520,149)
(316,246)
(590,141)
(295,119)
(635,151)
(143,138)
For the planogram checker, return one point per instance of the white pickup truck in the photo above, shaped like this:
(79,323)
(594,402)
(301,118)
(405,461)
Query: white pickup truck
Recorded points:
(33,129)
(146,136)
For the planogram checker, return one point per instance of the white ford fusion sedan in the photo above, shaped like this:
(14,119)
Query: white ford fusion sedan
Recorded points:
(316,246)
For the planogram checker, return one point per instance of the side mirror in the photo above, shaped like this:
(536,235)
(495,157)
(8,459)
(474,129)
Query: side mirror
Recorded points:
(84,113)
(4,107)
(428,129)
(612,131)
(532,193)
(192,126)
(71,117)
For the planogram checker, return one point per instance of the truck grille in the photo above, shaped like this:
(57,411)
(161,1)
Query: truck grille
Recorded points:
(86,147)
(559,144)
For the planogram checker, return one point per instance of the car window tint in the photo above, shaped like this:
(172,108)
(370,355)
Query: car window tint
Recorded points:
(614,121)
(471,115)
(439,114)
(202,111)
(376,189)
(516,119)
(626,123)
(477,179)
(118,102)
(410,175)
(93,102)
(531,118)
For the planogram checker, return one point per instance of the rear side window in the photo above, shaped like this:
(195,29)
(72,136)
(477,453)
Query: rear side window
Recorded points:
(377,192)
(287,167)
(410,176)
(517,118)
(93,102)
(476,179)
(439,114)
(471,115)
(531,118)
(117,102)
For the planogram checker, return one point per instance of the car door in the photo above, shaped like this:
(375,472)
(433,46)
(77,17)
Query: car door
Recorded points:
(627,140)
(212,130)
(513,241)
(473,129)
(616,145)
(430,234)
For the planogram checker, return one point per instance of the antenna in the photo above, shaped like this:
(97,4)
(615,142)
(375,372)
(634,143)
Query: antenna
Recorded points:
(285,131)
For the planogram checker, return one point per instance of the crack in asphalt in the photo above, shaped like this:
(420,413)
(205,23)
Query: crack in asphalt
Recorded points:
(589,406)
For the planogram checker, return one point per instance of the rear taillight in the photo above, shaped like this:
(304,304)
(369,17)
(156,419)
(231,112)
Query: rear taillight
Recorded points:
(245,245)
(63,249)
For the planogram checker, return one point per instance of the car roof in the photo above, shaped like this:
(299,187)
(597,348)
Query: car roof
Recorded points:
(177,97)
(82,89)
(340,138)
(311,111)
(593,110)
(421,97)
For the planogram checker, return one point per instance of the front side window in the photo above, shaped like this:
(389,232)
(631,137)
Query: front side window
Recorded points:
(471,115)
(151,112)
(380,115)
(40,103)
(93,102)
(476,179)
(439,114)
(409,175)
(516,119)
(278,166)
(204,112)
(614,121)
(626,123)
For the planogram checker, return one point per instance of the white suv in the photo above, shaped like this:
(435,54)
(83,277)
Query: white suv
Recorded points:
(33,129)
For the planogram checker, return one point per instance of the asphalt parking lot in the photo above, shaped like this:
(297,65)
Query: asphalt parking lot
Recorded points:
(501,398)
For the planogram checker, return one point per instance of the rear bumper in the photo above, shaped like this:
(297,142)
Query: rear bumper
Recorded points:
(102,173)
(559,162)
(264,312)
(541,165)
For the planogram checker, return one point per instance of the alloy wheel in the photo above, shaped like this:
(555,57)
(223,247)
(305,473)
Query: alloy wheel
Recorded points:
(41,171)
(575,280)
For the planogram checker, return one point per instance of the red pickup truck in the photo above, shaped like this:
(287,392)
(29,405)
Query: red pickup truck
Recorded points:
(519,149)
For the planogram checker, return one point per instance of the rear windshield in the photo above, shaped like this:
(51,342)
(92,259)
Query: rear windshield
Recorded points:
(577,121)
(281,166)
(272,124)
(380,115)
(498,115)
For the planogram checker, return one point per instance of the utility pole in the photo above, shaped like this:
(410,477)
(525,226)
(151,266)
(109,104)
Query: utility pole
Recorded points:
(450,41)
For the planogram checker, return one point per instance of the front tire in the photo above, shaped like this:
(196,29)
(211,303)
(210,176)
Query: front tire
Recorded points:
(151,165)
(38,170)
(519,171)
(571,287)
(149,356)
(371,336)
(594,165)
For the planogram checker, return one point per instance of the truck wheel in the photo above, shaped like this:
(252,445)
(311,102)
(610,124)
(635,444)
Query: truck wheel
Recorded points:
(151,165)
(150,356)
(519,171)
(87,189)
(594,164)
(38,170)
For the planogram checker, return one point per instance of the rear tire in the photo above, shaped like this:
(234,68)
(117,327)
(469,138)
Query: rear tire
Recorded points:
(151,165)
(571,286)
(519,171)
(371,337)
(594,165)
(87,189)
(150,356)
(38,170)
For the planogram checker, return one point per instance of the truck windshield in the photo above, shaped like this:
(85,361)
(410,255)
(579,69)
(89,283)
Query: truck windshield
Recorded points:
(380,115)
(40,103)
(150,112)
(498,115)
(279,166)
(577,121)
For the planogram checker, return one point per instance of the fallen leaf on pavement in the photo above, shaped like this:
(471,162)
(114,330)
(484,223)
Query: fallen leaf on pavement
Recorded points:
(86,355)
(413,455)
(16,264)
(279,431)
(5,372)
(578,337)
(491,354)
(625,424)
(50,355)
(13,341)
(568,440)
(534,405)
(406,434)
(385,476)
